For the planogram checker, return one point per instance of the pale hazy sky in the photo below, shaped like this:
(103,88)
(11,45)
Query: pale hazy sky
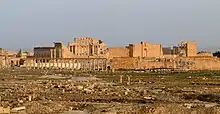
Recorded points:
(25,23)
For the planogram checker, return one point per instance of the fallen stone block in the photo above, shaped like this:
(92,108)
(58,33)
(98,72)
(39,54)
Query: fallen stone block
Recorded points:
(18,109)
(4,110)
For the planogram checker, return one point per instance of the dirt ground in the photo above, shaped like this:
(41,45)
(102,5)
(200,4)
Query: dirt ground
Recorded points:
(74,92)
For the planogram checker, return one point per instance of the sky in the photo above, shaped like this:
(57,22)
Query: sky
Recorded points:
(28,23)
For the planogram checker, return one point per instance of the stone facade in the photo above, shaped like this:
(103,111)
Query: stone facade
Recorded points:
(144,49)
(125,63)
(87,46)
(187,63)
(119,52)
(58,51)
(44,52)
(185,49)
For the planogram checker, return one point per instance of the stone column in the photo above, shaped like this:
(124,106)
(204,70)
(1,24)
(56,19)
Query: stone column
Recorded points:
(54,53)
(62,63)
(121,79)
(88,50)
(34,63)
(31,62)
(90,65)
(98,49)
(50,63)
(80,50)
(60,53)
(18,63)
(37,63)
(40,63)
(70,62)
(51,53)
(94,64)
(80,64)
(58,64)
(27,63)
(93,49)
(54,60)
(76,49)
(65,64)
(102,65)
(98,64)
(106,64)
(75,63)
(86,64)
(129,80)
(83,64)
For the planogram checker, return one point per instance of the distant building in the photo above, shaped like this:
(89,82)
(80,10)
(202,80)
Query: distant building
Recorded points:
(57,51)
(185,49)
(80,48)
(144,49)
(23,54)
(87,46)
(4,61)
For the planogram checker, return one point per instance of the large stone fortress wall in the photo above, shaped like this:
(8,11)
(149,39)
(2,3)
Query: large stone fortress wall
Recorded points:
(150,56)
(87,52)
(194,63)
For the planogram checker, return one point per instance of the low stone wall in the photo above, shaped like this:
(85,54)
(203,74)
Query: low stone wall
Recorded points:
(124,63)
(192,63)
(206,64)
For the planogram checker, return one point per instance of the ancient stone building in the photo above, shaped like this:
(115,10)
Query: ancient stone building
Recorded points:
(119,52)
(144,49)
(23,54)
(57,51)
(82,54)
(205,54)
(185,49)
(168,52)
(4,60)
(86,53)
(87,46)
(44,52)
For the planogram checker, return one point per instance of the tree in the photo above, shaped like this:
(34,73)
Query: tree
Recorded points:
(217,54)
